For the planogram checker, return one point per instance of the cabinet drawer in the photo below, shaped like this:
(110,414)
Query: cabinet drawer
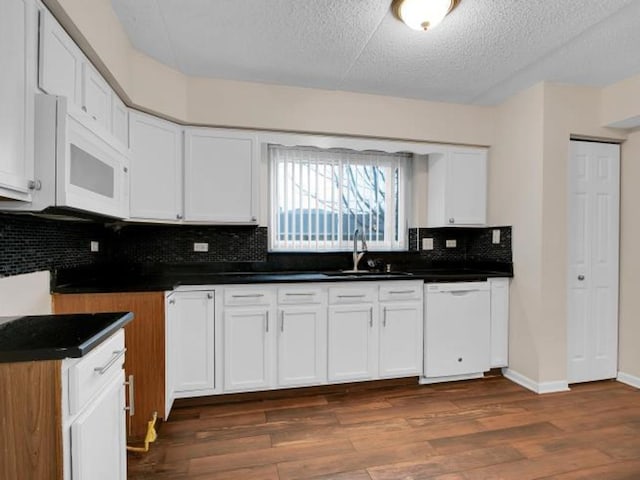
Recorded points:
(93,372)
(301,294)
(352,293)
(247,296)
(394,290)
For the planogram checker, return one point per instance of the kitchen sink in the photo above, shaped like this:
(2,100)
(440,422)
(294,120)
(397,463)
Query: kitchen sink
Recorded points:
(367,274)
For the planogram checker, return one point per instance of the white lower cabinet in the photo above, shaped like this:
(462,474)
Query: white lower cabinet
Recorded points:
(98,436)
(248,338)
(352,342)
(302,343)
(190,344)
(400,339)
(94,418)
(499,322)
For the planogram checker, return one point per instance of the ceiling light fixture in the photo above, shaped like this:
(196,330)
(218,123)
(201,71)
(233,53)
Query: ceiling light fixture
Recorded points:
(422,14)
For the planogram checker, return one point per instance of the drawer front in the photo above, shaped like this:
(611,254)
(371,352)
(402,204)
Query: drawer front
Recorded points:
(352,293)
(93,372)
(300,295)
(248,296)
(395,290)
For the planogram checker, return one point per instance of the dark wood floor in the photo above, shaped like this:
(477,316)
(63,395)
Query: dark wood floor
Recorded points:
(482,429)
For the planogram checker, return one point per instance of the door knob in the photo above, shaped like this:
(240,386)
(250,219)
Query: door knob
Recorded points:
(580,277)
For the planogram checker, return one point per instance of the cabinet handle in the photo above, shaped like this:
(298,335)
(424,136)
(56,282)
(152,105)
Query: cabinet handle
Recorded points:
(249,295)
(580,277)
(94,117)
(172,302)
(452,220)
(209,296)
(116,355)
(84,108)
(299,294)
(132,400)
(394,292)
(125,169)
(371,317)
(253,219)
(282,321)
(351,296)
(267,318)
(384,316)
(179,216)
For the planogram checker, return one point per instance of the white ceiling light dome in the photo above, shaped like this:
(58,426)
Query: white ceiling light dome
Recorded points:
(422,14)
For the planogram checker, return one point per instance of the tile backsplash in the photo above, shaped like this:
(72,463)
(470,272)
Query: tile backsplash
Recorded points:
(30,243)
(472,244)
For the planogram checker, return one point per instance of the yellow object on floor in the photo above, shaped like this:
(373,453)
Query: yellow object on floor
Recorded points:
(150,437)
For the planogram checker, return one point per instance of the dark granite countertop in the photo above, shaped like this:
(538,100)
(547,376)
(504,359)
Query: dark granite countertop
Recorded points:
(136,279)
(52,337)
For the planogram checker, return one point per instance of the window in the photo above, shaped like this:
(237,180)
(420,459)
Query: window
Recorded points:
(320,197)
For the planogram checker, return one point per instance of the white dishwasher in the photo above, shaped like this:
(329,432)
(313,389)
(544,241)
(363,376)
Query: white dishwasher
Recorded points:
(457,329)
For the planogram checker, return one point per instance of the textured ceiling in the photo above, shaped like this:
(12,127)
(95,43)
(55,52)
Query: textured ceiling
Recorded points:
(482,53)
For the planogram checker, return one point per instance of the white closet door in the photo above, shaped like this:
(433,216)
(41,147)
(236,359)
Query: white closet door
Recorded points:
(594,215)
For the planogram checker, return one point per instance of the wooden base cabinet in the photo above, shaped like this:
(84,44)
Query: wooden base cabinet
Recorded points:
(145,342)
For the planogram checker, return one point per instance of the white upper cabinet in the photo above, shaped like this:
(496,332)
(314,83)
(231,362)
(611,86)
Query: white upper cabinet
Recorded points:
(120,121)
(457,188)
(96,96)
(155,171)
(17,88)
(220,176)
(60,61)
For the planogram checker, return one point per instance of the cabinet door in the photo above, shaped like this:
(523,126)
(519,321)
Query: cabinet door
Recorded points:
(119,121)
(466,187)
(401,339)
(96,96)
(220,176)
(17,57)
(247,348)
(191,342)
(155,171)
(98,437)
(499,322)
(457,337)
(352,342)
(302,358)
(60,61)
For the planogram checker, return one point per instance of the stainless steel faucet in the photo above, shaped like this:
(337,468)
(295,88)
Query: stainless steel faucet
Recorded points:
(357,256)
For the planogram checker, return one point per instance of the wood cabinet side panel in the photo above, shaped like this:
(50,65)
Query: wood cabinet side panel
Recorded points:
(144,339)
(31,420)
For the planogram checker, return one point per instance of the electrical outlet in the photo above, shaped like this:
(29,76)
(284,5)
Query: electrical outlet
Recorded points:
(451,243)
(495,236)
(427,243)
(200,247)
(95,246)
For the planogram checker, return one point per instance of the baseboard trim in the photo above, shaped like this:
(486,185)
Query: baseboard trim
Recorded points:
(452,378)
(628,379)
(536,387)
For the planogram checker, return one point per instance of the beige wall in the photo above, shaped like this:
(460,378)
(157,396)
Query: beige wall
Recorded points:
(25,294)
(629,361)
(621,103)
(150,86)
(515,189)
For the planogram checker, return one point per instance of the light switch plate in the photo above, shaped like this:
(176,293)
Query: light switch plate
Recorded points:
(95,246)
(495,236)
(451,243)
(427,243)
(200,247)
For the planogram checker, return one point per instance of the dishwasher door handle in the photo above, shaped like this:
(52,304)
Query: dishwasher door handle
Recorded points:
(460,293)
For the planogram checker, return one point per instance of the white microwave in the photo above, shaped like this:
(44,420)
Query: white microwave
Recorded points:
(75,168)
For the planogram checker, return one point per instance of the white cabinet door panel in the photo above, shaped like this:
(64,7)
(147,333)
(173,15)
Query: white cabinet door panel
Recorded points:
(352,342)
(499,322)
(156,168)
(119,121)
(17,56)
(61,61)
(401,339)
(247,348)
(220,176)
(96,96)
(302,345)
(98,436)
(192,339)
